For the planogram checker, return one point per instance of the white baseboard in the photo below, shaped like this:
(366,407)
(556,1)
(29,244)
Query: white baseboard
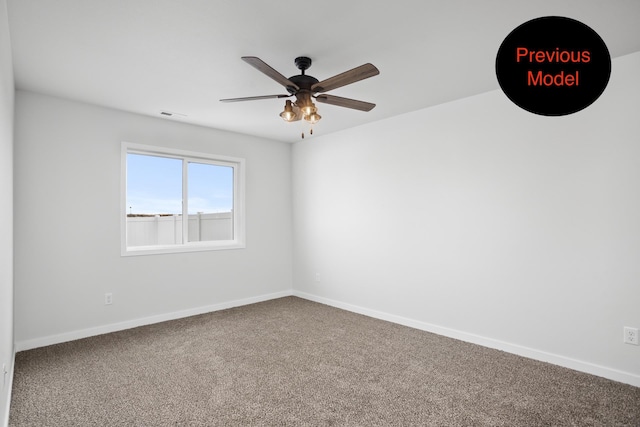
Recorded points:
(567,362)
(7,404)
(114,327)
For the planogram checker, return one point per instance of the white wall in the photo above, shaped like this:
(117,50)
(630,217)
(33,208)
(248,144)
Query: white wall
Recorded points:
(6,213)
(484,222)
(67,167)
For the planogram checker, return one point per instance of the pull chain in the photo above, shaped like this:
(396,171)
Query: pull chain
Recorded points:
(310,132)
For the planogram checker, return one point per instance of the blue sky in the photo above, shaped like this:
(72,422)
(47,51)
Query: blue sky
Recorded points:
(154,186)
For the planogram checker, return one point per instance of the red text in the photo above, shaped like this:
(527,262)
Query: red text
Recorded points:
(557,55)
(560,79)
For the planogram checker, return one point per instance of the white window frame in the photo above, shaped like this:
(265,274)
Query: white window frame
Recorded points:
(238,165)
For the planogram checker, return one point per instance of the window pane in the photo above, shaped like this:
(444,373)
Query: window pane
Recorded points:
(180,201)
(210,202)
(154,200)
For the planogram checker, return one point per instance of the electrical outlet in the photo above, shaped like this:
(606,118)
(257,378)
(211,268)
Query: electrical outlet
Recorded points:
(631,335)
(4,375)
(317,277)
(108,298)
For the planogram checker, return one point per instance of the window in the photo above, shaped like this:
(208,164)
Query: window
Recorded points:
(161,187)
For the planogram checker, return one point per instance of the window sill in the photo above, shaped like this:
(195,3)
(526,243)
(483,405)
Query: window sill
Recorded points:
(172,249)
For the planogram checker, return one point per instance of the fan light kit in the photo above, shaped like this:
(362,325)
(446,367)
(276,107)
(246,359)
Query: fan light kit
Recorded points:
(305,89)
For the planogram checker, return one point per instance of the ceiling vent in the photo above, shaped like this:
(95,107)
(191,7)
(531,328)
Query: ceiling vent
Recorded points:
(172,114)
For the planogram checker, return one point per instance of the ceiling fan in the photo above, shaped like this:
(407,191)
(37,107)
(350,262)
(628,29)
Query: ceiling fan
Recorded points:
(306,88)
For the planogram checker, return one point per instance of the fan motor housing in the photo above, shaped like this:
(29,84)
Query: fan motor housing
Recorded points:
(303,81)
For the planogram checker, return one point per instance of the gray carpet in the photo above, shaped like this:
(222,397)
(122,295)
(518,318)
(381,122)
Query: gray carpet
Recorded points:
(292,362)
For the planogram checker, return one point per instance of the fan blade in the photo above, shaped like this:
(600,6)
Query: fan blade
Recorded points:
(254,98)
(359,73)
(263,67)
(345,102)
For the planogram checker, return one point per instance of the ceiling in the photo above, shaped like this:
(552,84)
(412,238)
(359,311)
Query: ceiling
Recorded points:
(182,56)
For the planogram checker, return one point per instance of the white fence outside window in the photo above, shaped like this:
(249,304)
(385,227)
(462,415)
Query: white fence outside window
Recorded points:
(167,230)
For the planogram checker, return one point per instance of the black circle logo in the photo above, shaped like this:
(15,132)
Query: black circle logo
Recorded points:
(553,66)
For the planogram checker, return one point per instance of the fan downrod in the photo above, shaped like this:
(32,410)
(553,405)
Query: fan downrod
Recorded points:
(303,63)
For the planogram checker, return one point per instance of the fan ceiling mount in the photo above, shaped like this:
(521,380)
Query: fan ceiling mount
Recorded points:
(306,88)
